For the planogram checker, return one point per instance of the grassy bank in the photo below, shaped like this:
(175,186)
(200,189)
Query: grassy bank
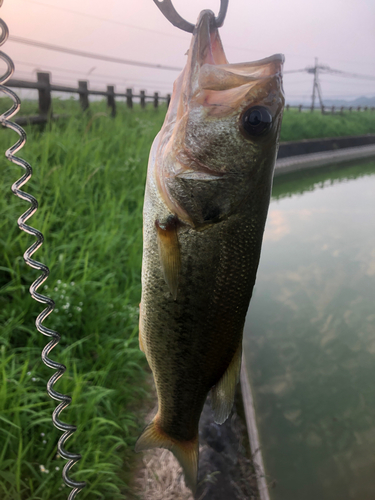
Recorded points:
(89,174)
(297,126)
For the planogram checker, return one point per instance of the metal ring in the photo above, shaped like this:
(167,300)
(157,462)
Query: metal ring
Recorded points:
(174,17)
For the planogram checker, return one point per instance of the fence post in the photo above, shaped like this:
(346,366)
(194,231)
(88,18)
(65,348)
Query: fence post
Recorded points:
(156,99)
(45,101)
(350,109)
(83,94)
(342,110)
(359,108)
(300,108)
(322,108)
(143,102)
(111,103)
(129,98)
(287,107)
(365,108)
(168,100)
(333,109)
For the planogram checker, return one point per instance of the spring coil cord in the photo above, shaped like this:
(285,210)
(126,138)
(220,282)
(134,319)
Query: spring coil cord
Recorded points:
(67,429)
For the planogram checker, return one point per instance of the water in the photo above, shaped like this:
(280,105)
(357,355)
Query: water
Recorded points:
(309,337)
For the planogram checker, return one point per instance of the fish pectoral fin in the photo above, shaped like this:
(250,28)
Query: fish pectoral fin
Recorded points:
(186,452)
(169,252)
(223,392)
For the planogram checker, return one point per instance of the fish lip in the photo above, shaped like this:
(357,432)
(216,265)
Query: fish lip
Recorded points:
(205,48)
(206,40)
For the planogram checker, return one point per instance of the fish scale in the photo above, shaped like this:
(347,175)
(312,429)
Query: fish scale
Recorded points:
(206,201)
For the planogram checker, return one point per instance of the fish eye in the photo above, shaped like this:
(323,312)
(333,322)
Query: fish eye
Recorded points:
(256,120)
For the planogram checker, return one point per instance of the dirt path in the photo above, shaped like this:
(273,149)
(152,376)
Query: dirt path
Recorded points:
(225,472)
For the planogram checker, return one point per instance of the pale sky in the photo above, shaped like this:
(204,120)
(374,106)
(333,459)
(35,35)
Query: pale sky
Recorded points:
(341,33)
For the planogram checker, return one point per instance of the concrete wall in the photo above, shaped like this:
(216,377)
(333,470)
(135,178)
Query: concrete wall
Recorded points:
(307,146)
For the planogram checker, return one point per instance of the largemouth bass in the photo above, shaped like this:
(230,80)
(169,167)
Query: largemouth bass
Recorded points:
(207,194)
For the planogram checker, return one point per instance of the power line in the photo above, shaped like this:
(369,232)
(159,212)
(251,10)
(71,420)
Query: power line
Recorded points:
(298,82)
(343,96)
(295,71)
(319,69)
(327,69)
(120,23)
(336,72)
(90,55)
(101,83)
(111,21)
(181,37)
(335,82)
(38,67)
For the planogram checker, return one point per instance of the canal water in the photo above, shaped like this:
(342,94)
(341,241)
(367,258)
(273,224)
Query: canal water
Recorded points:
(309,339)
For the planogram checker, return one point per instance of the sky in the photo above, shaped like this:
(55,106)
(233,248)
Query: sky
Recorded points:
(340,33)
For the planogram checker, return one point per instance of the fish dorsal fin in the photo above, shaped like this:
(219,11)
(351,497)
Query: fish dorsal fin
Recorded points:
(186,452)
(169,252)
(223,392)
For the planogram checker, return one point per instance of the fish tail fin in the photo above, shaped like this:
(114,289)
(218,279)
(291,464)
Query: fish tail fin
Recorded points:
(186,452)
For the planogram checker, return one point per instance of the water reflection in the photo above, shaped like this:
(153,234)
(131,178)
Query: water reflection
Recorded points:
(310,336)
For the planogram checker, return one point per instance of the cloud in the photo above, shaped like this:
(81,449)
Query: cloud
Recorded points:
(277,226)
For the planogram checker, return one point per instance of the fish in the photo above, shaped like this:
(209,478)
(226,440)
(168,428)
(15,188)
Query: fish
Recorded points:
(208,188)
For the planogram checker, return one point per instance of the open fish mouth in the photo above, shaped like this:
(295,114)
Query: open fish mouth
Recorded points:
(207,194)
(209,97)
(209,80)
(208,69)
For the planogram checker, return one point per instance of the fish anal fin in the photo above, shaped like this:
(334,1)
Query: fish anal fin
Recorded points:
(223,392)
(169,252)
(186,452)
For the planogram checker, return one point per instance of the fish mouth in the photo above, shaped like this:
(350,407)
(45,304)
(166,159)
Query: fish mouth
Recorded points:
(210,87)
(209,80)
(208,68)
(205,48)
(206,44)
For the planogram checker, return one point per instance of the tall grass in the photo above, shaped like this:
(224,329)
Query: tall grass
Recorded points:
(297,126)
(89,175)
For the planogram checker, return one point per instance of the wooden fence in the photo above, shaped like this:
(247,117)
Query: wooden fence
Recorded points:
(329,109)
(45,88)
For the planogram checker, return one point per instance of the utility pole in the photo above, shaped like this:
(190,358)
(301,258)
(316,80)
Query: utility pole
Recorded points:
(316,86)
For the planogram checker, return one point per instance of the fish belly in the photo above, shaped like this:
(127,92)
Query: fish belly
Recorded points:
(190,341)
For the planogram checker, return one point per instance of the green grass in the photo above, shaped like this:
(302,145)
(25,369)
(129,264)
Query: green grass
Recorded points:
(306,125)
(89,174)
(296,126)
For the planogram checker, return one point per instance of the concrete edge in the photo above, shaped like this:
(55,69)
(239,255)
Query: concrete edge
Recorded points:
(307,146)
(248,404)
(284,165)
(302,162)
